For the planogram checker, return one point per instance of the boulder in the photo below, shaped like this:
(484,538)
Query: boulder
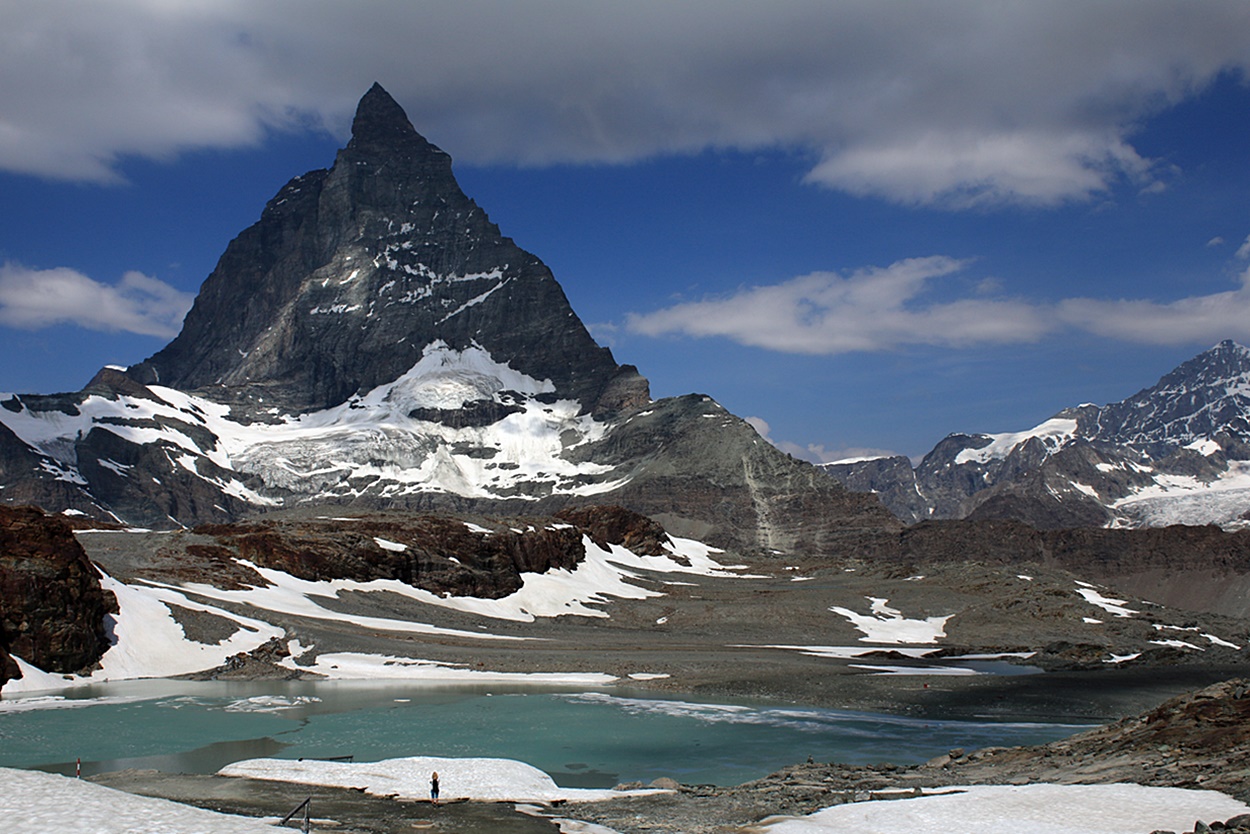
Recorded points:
(52,607)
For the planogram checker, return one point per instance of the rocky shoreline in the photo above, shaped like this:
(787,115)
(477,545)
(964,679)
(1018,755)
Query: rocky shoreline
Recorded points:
(1199,740)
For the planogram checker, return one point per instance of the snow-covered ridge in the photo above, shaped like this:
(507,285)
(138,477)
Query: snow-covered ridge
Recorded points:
(1173,453)
(1053,434)
(370,444)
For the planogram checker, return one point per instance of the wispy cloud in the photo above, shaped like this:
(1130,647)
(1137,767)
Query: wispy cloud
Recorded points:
(32,299)
(884,308)
(1195,319)
(868,310)
(964,103)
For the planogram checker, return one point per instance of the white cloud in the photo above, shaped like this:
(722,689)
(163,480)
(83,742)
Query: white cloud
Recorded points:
(760,425)
(970,168)
(869,310)
(32,299)
(961,103)
(1195,319)
(1243,251)
(878,309)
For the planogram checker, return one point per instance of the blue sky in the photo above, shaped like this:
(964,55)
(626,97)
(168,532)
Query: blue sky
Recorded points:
(864,225)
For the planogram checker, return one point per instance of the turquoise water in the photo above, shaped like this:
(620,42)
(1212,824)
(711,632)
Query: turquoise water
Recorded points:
(583,739)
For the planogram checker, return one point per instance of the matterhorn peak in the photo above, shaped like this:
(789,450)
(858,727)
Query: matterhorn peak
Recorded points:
(350,274)
(381,125)
(378,113)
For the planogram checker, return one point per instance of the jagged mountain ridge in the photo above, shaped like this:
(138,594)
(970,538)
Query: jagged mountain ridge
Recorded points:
(1176,452)
(374,341)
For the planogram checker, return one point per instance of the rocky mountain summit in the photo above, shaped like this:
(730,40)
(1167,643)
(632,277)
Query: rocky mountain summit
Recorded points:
(375,341)
(351,273)
(1175,453)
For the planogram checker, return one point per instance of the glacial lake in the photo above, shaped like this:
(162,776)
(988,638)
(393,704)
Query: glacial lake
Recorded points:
(581,738)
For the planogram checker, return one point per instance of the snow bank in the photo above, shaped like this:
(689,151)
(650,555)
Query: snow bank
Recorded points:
(602,575)
(1111,606)
(887,625)
(496,780)
(845,652)
(1053,434)
(41,803)
(1027,809)
(149,642)
(359,666)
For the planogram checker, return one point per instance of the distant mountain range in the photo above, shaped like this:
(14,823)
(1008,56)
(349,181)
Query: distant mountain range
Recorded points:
(1175,453)
(374,341)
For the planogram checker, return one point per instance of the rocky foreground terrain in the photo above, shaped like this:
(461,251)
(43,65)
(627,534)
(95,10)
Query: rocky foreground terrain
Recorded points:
(52,608)
(774,627)
(1198,740)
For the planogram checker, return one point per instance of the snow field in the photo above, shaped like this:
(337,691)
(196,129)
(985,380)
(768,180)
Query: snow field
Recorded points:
(1026,809)
(149,642)
(888,626)
(494,780)
(369,437)
(358,666)
(37,803)
(45,803)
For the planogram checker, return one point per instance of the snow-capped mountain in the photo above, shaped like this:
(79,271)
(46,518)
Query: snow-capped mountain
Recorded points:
(374,340)
(1174,453)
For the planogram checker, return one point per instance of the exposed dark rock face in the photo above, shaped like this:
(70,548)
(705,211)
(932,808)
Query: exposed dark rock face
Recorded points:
(891,478)
(706,474)
(617,525)
(438,553)
(32,479)
(351,272)
(52,608)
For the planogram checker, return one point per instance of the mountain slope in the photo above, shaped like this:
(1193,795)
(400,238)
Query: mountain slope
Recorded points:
(1176,452)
